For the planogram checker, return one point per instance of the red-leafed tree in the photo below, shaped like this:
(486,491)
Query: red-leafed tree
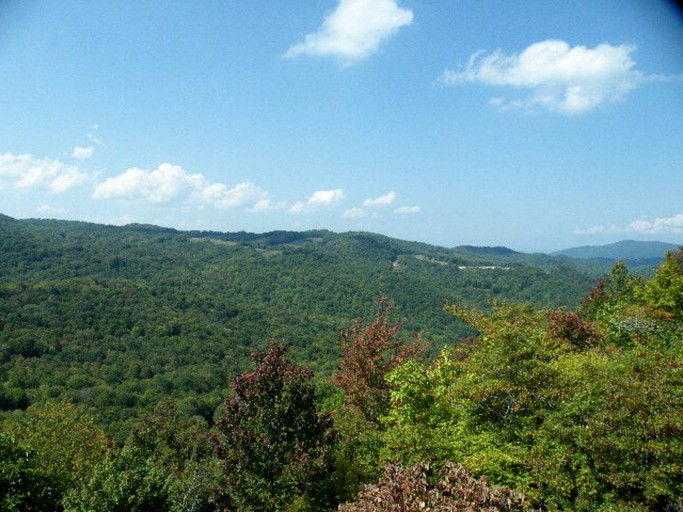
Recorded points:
(419,488)
(368,353)
(274,444)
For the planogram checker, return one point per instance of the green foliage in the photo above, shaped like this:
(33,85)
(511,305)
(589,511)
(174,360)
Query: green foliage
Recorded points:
(479,402)
(24,486)
(616,438)
(580,410)
(178,446)
(665,291)
(116,318)
(122,482)
(63,439)
(274,444)
(137,329)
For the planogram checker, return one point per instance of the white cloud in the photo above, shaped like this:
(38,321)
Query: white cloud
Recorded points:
(86,152)
(598,230)
(407,210)
(384,200)
(83,152)
(298,207)
(50,210)
(26,171)
(355,213)
(157,186)
(170,182)
(266,205)
(319,199)
(326,197)
(354,30)
(221,197)
(559,78)
(661,225)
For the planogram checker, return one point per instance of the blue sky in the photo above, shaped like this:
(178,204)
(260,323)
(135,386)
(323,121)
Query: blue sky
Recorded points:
(537,125)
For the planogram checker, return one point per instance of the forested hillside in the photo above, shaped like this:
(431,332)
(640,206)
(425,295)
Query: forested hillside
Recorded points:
(117,317)
(127,383)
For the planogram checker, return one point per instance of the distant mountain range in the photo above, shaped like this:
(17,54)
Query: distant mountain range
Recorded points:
(629,251)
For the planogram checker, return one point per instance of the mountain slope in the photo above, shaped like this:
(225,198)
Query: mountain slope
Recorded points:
(117,317)
(626,250)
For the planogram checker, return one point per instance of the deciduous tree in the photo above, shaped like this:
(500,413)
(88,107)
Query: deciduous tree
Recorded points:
(420,488)
(369,352)
(274,445)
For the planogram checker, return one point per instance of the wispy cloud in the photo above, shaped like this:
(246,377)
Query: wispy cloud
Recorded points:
(354,30)
(319,199)
(93,137)
(26,171)
(46,209)
(558,78)
(355,213)
(384,200)
(407,210)
(86,152)
(372,206)
(660,225)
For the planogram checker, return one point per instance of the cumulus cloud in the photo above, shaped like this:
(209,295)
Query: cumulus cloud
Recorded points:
(407,210)
(319,199)
(221,197)
(326,197)
(170,182)
(384,200)
(558,77)
(354,30)
(26,171)
(159,185)
(661,225)
(83,152)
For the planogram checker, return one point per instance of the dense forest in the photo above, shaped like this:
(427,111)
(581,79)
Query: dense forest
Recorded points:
(147,369)
(116,318)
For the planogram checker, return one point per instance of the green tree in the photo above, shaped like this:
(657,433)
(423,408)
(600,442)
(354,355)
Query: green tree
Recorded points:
(24,486)
(122,482)
(64,439)
(274,444)
(179,447)
(579,410)
(665,291)
(615,441)
(481,400)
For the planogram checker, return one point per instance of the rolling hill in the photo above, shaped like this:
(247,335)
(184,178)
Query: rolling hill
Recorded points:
(117,317)
(626,250)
